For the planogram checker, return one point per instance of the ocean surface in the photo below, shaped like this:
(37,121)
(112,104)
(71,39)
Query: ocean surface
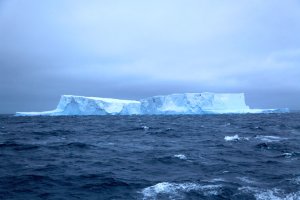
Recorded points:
(250,156)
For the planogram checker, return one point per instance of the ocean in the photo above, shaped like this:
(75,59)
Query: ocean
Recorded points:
(249,156)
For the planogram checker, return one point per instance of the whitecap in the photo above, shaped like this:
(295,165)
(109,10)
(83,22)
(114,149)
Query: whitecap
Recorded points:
(228,124)
(145,127)
(176,190)
(180,156)
(232,138)
(270,194)
(287,155)
(218,180)
(297,180)
(269,138)
(246,180)
(273,195)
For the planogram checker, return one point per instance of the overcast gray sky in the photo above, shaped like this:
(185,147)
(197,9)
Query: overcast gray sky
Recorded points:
(134,49)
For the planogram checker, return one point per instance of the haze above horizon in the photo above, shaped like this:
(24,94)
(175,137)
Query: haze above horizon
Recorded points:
(135,49)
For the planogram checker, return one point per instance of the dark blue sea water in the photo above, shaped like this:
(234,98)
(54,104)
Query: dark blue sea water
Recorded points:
(251,156)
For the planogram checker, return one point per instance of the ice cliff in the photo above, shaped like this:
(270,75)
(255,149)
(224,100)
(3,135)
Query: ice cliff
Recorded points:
(194,103)
(186,103)
(79,105)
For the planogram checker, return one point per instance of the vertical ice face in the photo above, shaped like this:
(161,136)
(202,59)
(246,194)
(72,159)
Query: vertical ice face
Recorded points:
(226,102)
(78,105)
(194,103)
(169,104)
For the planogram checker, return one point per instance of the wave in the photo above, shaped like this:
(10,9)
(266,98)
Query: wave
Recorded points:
(246,180)
(145,127)
(58,132)
(235,138)
(296,180)
(232,138)
(289,155)
(71,145)
(263,138)
(180,156)
(270,194)
(18,146)
(106,183)
(178,190)
(269,138)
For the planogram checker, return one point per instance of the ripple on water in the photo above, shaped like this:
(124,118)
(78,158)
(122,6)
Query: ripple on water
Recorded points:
(18,146)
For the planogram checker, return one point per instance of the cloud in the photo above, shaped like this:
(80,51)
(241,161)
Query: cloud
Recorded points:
(134,48)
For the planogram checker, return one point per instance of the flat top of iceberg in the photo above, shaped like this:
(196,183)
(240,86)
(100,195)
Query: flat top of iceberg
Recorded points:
(198,93)
(108,100)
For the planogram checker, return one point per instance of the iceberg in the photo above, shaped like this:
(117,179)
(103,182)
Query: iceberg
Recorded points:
(185,103)
(79,105)
(195,103)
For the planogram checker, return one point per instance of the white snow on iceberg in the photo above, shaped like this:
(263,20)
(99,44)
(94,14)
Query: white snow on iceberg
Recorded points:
(79,105)
(195,103)
(186,103)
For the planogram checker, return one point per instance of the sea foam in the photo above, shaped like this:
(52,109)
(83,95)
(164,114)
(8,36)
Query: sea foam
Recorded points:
(269,138)
(177,190)
(232,138)
(180,156)
(271,194)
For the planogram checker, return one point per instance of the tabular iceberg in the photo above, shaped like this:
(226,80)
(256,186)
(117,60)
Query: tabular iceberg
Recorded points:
(194,103)
(186,103)
(79,105)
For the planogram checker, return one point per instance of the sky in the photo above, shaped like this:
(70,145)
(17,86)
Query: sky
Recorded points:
(134,49)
